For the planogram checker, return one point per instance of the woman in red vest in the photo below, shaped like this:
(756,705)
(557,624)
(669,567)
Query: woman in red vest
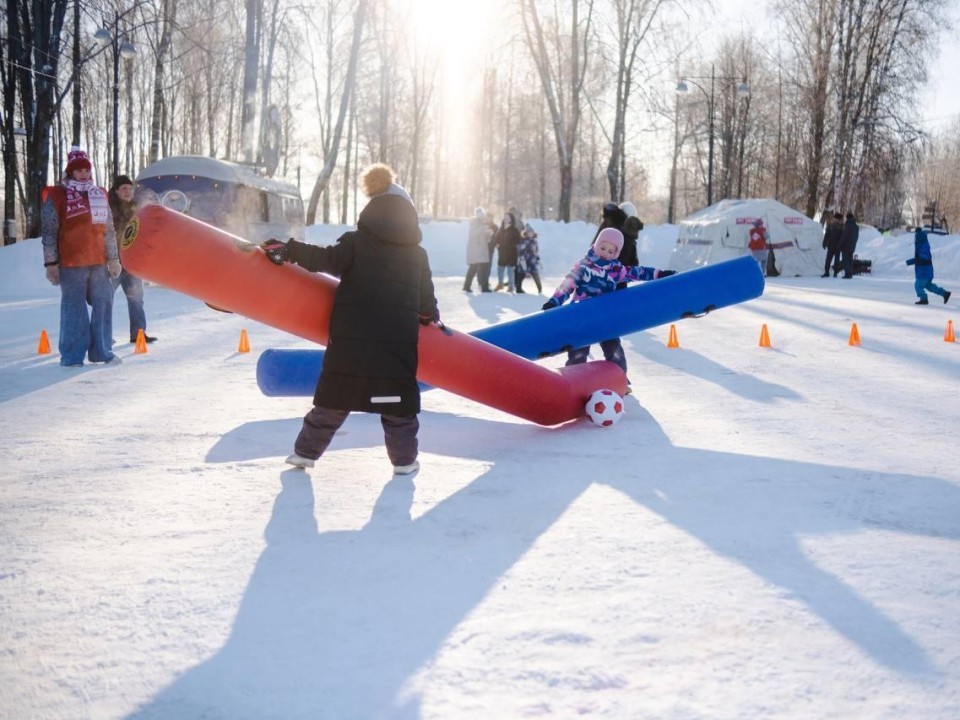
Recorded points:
(758,244)
(80,255)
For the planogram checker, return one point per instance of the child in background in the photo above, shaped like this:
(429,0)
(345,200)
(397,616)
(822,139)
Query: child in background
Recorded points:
(598,273)
(922,262)
(528,258)
(385,290)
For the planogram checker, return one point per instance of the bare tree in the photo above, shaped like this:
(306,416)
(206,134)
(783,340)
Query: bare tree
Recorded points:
(561,62)
(634,20)
(330,161)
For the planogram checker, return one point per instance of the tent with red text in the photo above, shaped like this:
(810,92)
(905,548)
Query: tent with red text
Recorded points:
(720,232)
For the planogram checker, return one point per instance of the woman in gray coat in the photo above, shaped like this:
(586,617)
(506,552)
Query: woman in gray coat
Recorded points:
(478,252)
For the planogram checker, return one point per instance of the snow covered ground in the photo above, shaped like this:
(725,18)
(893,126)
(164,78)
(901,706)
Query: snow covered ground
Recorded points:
(768,533)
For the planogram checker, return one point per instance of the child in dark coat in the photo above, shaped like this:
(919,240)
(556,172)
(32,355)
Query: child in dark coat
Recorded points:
(597,273)
(385,294)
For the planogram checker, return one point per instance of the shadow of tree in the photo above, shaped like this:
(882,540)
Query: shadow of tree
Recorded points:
(333,623)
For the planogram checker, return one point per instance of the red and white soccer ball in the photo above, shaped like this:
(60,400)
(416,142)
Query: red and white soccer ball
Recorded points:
(604,408)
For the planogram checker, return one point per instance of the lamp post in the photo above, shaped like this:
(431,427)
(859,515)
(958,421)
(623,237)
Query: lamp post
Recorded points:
(683,87)
(127,50)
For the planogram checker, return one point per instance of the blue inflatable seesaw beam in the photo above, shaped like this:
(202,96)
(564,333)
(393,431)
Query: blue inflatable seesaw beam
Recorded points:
(293,373)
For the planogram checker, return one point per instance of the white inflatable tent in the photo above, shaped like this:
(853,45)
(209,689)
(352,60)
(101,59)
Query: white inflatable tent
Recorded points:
(720,232)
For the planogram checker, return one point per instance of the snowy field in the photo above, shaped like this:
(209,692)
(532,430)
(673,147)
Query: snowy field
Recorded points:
(768,533)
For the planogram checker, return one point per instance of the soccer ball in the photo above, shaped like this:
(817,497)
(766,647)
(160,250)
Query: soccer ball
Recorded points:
(604,408)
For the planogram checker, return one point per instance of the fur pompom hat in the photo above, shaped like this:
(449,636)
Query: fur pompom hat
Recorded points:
(629,209)
(610,235)
(378,179)
(78,159)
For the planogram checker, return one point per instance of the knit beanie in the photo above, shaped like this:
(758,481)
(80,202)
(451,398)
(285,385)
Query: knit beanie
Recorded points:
(78,159)
(629,209)
(610,235)
(120,180)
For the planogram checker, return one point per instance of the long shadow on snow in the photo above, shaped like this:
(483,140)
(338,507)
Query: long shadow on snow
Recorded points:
(333,623)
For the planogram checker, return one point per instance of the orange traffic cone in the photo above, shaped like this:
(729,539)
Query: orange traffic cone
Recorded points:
(244,342)
(854,335)
(673,342)
(44,347)
(141,346)
(764,336)
(948,336)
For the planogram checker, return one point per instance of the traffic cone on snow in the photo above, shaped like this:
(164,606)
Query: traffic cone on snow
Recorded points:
(854,335)
(672,342)
(141,346)
(244,342)
(948,336)
(44,347)
(764,336)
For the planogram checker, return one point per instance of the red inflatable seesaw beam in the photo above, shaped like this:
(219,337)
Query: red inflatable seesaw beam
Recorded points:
(202,261)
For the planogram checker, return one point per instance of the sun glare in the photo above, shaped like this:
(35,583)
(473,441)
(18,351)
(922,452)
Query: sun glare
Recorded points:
(455,30)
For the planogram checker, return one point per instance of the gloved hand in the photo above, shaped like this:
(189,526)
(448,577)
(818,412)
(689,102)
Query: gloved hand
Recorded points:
(53,274)
(550,304)
(426,318)
(663,273)
(276,250)
(114,268)
(911,261)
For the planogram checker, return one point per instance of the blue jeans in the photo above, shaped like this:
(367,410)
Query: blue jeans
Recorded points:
(133,289)
(82,332)
(509,270)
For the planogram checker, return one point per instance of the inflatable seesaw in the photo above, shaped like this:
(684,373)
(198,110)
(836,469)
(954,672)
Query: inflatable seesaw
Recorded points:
(293,373)
(225,271)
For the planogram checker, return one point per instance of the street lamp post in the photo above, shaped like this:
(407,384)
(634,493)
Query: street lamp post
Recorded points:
(683,87)
(127,50)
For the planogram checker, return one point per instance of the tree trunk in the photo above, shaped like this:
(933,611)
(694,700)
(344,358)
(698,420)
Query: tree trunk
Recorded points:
(330,162)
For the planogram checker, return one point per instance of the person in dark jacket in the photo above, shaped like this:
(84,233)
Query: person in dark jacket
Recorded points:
(922,262)
(624,218)
(848,244)
(506,240)
(385,294)
(122,207)
(832,237)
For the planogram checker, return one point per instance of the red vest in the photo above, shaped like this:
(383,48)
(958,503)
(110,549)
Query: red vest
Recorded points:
(758,239)
(80,242)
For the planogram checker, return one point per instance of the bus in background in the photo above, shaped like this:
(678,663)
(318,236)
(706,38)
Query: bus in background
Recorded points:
(230,196)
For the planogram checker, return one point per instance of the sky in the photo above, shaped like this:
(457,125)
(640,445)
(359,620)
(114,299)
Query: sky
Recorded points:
(768,533)
(941,98)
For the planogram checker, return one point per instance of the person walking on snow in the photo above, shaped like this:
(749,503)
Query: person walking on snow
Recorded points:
(80,255)
(922,262)
(385,294)
(597,273)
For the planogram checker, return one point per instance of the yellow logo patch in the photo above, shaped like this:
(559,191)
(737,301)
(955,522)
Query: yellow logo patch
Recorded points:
(130,233)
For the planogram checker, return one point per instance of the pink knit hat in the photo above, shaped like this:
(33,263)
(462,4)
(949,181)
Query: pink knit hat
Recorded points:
(77,159)
(610,235)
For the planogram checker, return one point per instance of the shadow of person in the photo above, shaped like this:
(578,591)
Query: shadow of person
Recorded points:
(333,624)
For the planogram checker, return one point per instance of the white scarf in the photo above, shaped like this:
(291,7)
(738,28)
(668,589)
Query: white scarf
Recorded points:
(96,202)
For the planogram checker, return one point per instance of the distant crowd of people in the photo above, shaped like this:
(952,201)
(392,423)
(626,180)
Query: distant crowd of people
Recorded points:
(840,242)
